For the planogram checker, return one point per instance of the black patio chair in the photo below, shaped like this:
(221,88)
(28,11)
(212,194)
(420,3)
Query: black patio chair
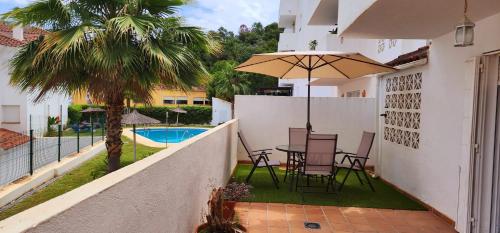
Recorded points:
(260,159)
(319,160)
(357,161)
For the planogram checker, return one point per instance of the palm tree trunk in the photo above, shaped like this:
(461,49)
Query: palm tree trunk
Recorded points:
(114,111)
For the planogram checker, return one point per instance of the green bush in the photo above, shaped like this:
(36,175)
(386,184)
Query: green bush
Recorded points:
(195,114)
(75,115)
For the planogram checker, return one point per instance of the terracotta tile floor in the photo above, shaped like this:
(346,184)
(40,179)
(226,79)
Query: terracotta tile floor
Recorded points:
(289,218)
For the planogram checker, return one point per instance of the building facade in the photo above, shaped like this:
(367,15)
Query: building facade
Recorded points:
(306,21)
(162,97)
(438,133)
(18,112)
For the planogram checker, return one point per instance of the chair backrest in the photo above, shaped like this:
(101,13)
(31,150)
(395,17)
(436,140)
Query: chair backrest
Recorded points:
(297,136)
(320,152)
(246,146)
(365,146)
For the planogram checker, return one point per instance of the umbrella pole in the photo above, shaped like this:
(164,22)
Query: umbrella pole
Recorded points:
(177,122)
(135,149)
(308,125)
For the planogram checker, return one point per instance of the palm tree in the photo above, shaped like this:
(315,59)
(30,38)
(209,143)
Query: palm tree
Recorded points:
(112,49)
(227,82)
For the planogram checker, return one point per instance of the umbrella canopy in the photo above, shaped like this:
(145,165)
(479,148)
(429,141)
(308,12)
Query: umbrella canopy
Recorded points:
(135,118)
(328,82)
(91,110)
(178,110)
(317,64)
(320,64)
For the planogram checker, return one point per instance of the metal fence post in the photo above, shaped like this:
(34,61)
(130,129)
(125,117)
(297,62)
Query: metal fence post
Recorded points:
(31,152)
(59,127)
(78,138)
(102,128)
(91,132)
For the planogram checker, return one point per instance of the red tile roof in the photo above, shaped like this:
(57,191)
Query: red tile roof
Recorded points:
(30,34)
(416,55)
(10,139)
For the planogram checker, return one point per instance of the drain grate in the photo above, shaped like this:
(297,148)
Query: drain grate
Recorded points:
(312,225)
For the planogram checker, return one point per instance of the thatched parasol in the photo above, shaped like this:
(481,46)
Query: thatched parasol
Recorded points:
(92,110)
(135,118)
(178,111)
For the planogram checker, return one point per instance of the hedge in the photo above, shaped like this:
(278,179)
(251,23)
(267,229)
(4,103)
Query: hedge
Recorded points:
(195,114)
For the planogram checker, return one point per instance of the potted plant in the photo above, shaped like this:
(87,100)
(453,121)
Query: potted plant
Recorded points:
(215,222)
(232,193)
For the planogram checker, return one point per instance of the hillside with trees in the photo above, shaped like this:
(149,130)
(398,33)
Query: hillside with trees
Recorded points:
(237,48)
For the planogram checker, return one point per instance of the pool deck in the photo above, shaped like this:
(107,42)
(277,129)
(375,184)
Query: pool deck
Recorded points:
(127,132)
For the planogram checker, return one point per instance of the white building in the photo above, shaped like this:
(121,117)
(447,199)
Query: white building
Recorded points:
(305,21)
(16,107)
(439,141)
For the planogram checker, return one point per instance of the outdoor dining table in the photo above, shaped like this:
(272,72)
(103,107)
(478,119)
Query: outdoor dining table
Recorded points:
(292,151)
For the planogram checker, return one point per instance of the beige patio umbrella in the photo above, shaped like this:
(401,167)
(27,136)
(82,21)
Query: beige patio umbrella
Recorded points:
(135,118)
(313,64)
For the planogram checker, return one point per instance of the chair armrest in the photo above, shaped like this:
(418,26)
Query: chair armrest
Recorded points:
(261,150)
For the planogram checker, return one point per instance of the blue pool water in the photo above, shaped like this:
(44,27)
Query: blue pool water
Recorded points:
(170,135)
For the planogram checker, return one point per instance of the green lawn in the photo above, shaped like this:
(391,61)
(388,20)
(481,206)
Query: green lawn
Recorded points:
(86,173)
(353,194)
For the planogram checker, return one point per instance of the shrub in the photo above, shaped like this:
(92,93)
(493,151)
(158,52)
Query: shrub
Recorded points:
(195,114)
(75,115)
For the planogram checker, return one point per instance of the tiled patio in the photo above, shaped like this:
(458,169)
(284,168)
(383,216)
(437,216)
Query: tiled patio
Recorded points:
(289,218)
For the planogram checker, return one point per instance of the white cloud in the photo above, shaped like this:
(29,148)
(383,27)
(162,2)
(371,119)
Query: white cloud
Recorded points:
(17,2)
(212,14)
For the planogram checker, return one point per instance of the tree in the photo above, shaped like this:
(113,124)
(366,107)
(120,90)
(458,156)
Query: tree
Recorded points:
(112,48)
(227,82)
(238,48)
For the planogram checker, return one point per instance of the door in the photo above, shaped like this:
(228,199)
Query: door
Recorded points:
(484,161)
(495,215)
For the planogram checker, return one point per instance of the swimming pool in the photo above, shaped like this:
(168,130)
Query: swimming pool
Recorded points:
(170,135)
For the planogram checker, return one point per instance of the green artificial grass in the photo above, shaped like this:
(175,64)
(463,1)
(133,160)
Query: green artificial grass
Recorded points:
(353,193)
(87,172)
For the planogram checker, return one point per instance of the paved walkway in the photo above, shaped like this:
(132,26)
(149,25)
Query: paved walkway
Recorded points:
(288,218)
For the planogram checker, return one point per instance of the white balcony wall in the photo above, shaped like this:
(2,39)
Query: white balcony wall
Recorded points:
(166,192)
(289,7)
(349,11)
(264,120)
(300,88)
(287,41)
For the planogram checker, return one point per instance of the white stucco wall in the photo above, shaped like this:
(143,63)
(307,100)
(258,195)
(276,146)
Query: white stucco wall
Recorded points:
(166,192)
(433,172)
(264,120)
(10,95)
(221,111)
(300,88)
(368,84)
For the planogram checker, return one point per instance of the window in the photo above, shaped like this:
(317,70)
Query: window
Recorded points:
(208,102)
(11,114)
(353,93)
(181,100)
(168,100)
(198,101)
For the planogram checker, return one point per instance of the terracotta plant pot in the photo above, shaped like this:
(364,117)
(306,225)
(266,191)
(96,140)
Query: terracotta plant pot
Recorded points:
(201,228)
(229,212)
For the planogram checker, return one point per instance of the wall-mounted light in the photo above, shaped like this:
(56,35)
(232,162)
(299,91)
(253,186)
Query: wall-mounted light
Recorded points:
(464,31)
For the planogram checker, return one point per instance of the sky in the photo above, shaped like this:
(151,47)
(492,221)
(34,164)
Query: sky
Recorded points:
(210,14)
